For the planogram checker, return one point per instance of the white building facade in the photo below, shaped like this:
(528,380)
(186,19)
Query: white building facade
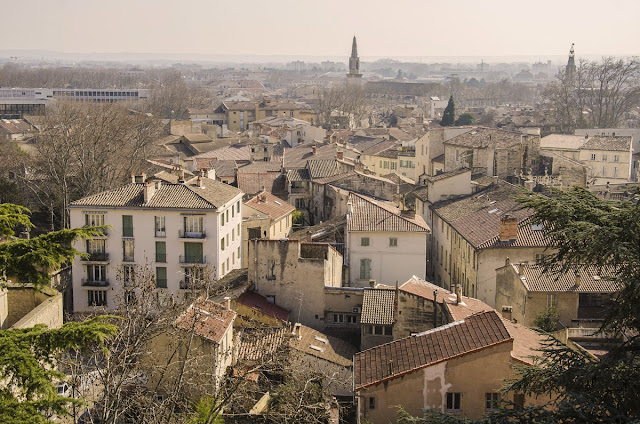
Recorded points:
(183,233)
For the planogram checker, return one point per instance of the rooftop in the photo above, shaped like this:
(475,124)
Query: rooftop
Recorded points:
(211,319)
(372,215)
(268,204)
(616,144)
(592,280)
(378,306)
(483,137)
(261,304)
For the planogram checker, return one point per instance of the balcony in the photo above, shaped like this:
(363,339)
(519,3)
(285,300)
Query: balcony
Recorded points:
(193,260)
(192,234)
(127,258)
(93,283)
(96,257)
(190,285)
(298,190)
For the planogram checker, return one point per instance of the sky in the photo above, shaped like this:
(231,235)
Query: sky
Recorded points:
(324,27)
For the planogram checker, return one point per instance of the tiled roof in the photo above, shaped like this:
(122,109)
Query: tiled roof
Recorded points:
(412,353)
(444,175)
(238,152)
(371,215)
(617,144)
(256,343)
(377,148)
(562,142)
(270,205)
(261,166)
(483,137)
(477,218)
(322,168)
(592,280)
(422,288)
(211,319)
(213,195)
(391,153)
(197,138)
(334,178)
(261,304)
(223,168)
(438,159)
(299,174)
(378,306)
(272,182)
(323,346)
(297,157)
(528,236)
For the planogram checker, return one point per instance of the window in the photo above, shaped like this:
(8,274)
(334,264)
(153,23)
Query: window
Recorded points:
(238,207)
(491,401)
(96,273)
(127,250)
(160,226)
(94,219)
(604,171)
(300,203)
(128,274)
(193,226)
(604,157)
(238,252)
(222,273)
(271,266)
(616,158)
(161,251)
(227,216)
(193,253)
(593,156)
(615,172)
(372,402)
(96,246)
(192,276)
(221,219)
(222,243)
(393,242)
(552,300)
(161,277)
(238,230)
(364,241)
(97,298)
(127,226)
(454,402)
(365,269)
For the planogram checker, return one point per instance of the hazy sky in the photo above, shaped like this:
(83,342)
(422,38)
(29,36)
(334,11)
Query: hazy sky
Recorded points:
(325,27)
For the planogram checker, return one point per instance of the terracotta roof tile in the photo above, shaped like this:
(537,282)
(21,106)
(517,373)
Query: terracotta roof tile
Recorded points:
(592,280)
(261,304)
(378,306)
(268,204)
(483,137)
(401,356)
(209,320)
(618,144)
(371,215)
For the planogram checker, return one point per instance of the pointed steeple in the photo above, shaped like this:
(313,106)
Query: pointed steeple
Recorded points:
(354,75)
(354,48)
(571,64)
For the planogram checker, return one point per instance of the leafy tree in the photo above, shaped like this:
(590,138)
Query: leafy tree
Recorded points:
(449,115)
(466,119)
(548,319)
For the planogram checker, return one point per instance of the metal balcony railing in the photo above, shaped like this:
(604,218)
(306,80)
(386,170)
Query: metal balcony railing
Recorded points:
(192,234)
(86,282)
(195,260)
(97,257)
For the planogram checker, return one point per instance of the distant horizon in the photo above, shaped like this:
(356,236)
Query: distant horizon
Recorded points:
(282,28)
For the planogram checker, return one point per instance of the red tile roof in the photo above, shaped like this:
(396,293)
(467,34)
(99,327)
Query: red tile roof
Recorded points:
(261,304)
(372,215)
(209,320)
(394,359)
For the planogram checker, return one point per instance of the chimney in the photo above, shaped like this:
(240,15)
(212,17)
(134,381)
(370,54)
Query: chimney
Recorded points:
(149,190)
(181,176)
(578,279)
(508,228)
(297,333)
(309,237)
(340,155)
(133,178)
(529,185)
(314,149)
(372,284)
(520,268)
(158,184)
(507,312)
(227,302)
(349,208)
(507,261)
(199,182)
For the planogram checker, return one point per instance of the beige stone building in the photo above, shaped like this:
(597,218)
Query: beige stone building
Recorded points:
(581,298)
(608,158)
(474,235)
(265,216)
(238,115)
(293,275)
(492,152)
(23,306)
(456,369)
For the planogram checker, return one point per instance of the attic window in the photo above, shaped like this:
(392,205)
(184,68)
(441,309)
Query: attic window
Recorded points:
(277,203)
(314,347)
(494,210)
(321,339)
(596,277)
(536,227)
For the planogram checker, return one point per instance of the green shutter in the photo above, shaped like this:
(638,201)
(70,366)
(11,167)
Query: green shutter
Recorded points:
(193,252)
(161,251)
(161,277)
(127,226)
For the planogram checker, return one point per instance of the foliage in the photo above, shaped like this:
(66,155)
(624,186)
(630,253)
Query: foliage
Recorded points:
(203,412)
(297,217)
(32,259)
(28,368)
(548,319)
(466,119)
(597,95)
(449,114)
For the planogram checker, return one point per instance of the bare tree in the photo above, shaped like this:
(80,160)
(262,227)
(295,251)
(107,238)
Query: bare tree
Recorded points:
(344,100)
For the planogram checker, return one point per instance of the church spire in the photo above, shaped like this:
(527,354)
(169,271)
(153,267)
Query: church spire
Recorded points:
(354,48)
(571,64)
(354,75)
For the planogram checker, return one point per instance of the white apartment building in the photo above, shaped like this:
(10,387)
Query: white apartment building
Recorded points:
(382,243)
(185,231)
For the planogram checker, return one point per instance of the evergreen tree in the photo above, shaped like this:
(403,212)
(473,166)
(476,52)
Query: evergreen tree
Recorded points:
(449,115)
(28,356)
(465,119)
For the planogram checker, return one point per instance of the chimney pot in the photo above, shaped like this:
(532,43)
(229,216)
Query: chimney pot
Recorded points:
(314,149)
(149,190)
(578,279)
(133,178)
(227,302)
(340,155)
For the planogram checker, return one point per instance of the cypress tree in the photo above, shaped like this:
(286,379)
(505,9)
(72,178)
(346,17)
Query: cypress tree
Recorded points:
(449,115)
